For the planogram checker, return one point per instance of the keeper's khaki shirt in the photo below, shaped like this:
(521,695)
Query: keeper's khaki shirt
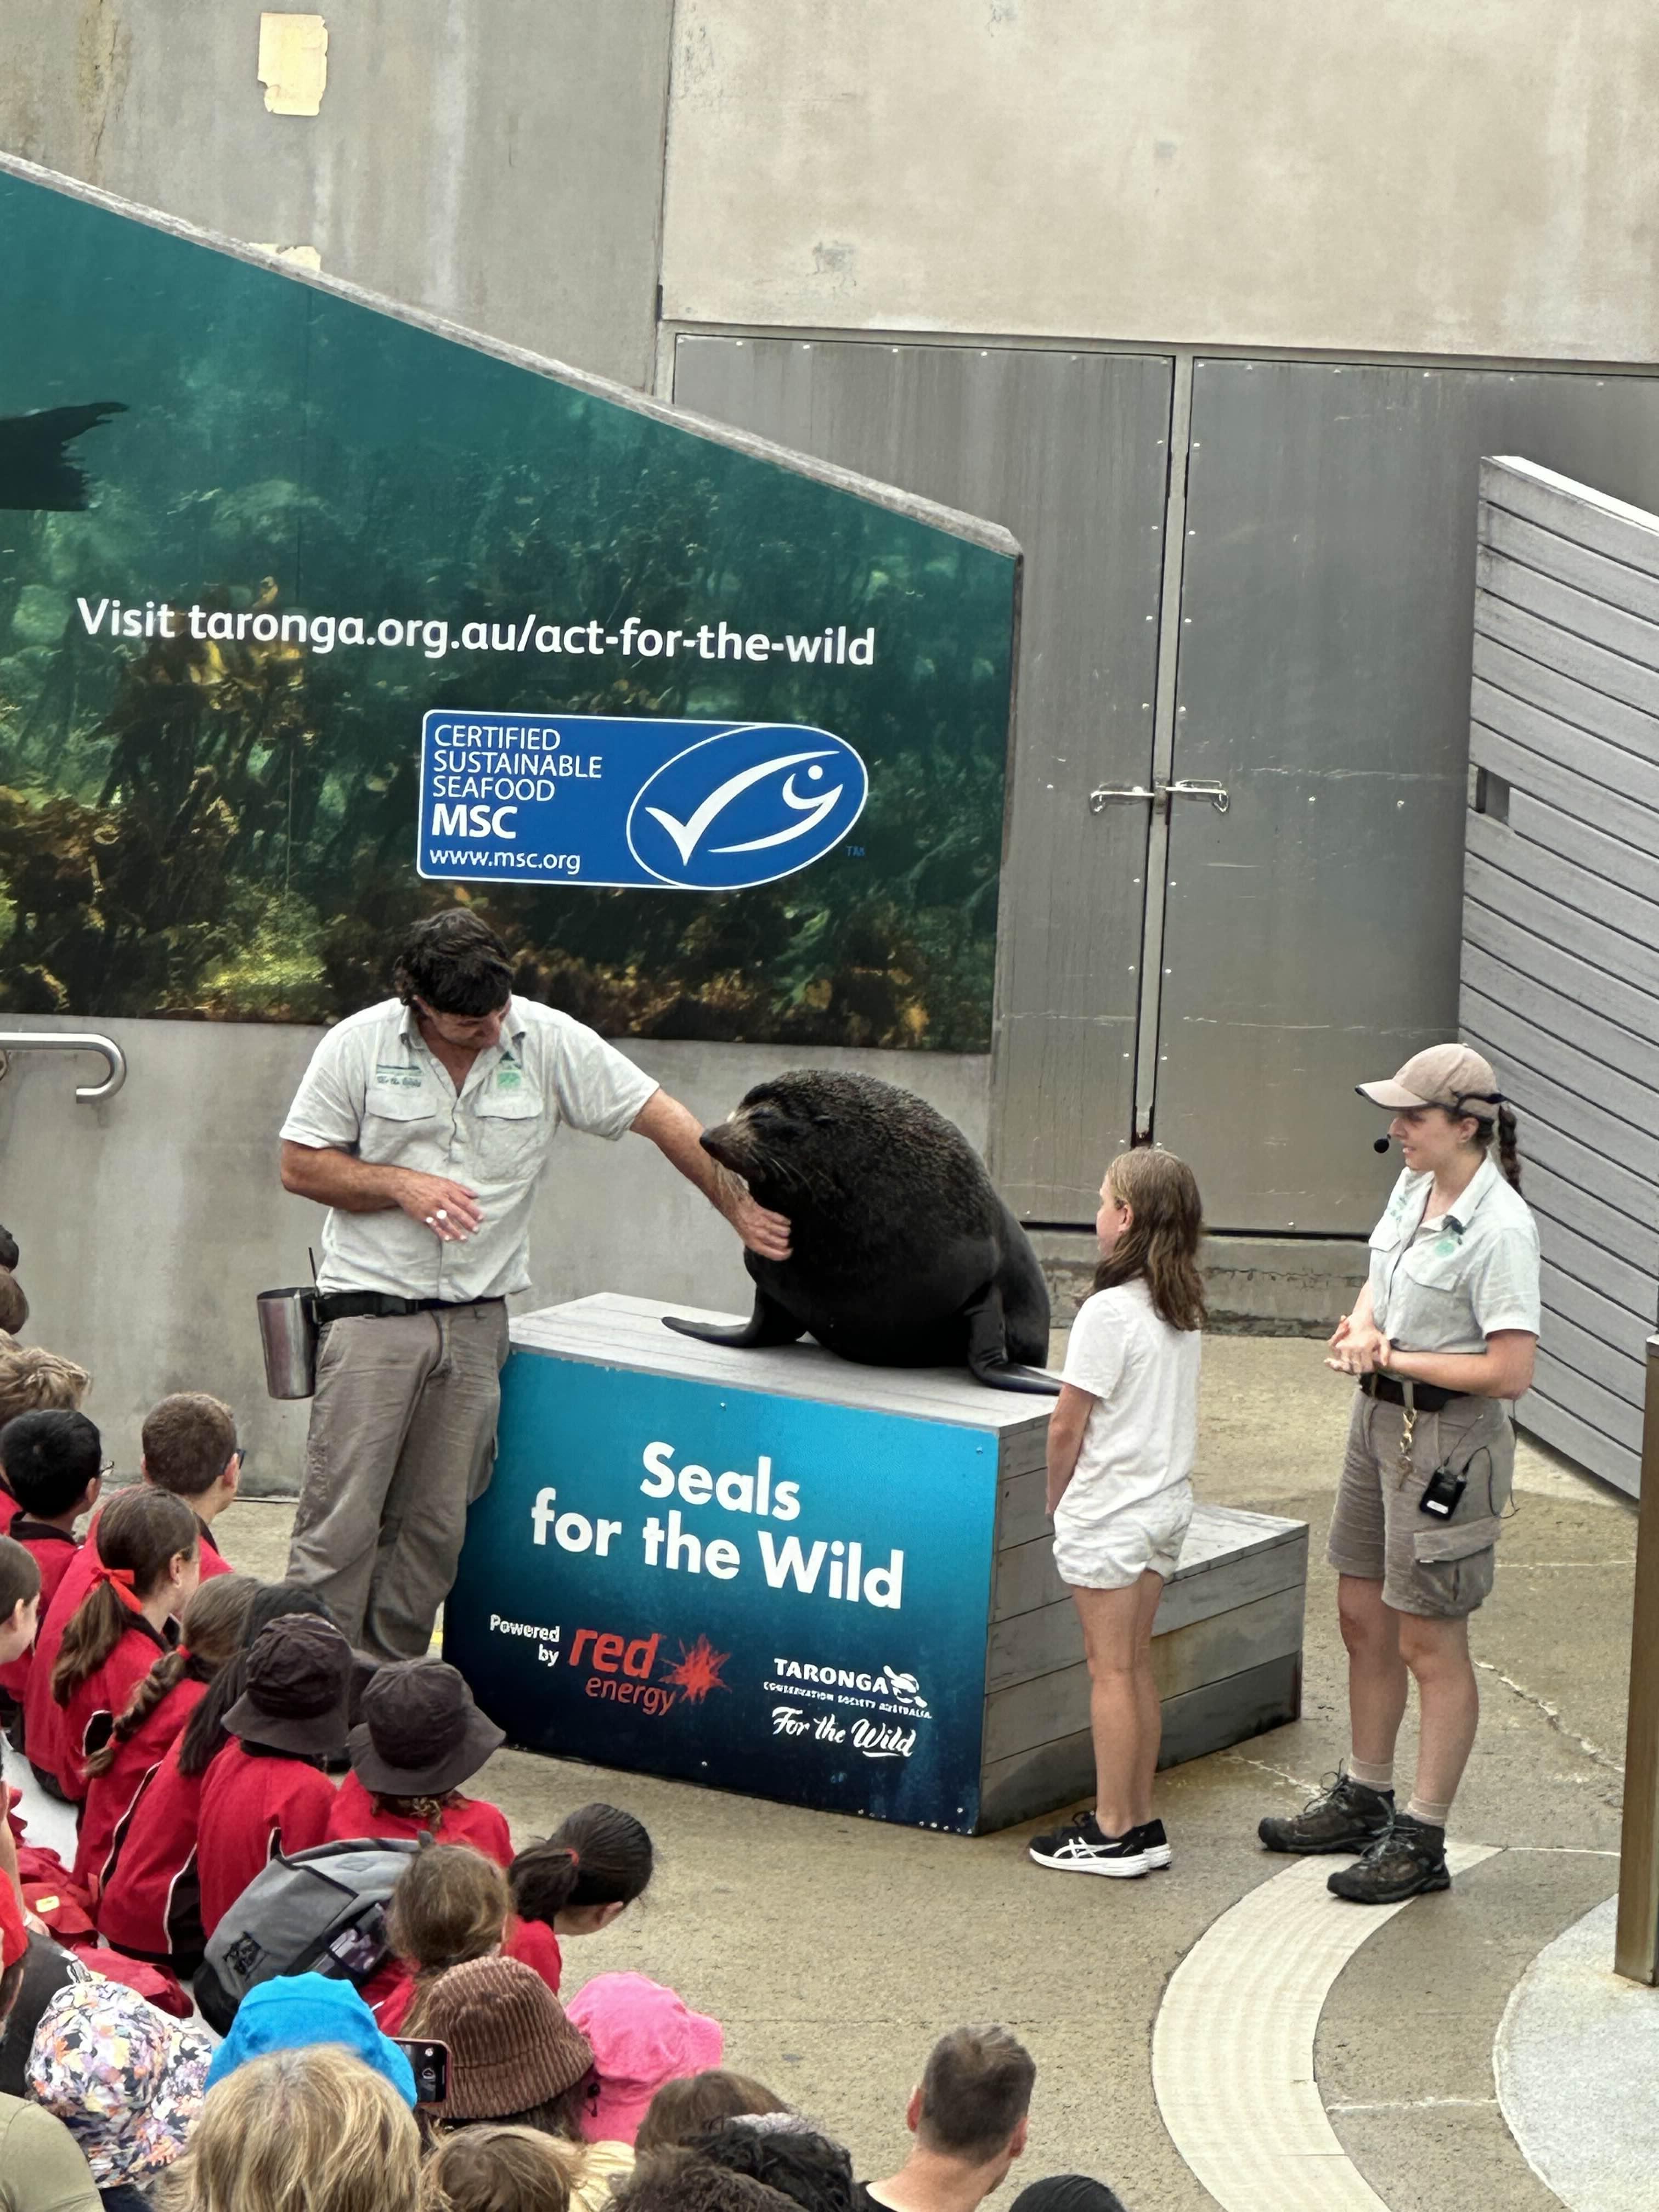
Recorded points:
(374,1089)
(1451,1288)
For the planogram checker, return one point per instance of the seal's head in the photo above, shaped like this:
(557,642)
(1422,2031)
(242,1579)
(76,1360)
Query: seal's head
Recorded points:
(816,1142)
(773,1139)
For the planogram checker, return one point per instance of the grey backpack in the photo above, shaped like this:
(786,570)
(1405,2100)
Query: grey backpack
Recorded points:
(322,1911)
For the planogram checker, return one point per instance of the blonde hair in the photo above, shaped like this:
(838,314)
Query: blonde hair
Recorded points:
(35,1381)
(1160,1245)
(495,2169)
(306,2131)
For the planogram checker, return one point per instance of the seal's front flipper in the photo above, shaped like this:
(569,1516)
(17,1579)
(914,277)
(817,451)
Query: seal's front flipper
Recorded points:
(988,1350)
(768,1324)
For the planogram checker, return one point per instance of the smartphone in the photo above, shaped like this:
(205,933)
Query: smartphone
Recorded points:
(359,1952)
(430,2064)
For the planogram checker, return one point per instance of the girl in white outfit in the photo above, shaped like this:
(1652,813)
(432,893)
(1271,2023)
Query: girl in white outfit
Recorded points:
(1121,1444)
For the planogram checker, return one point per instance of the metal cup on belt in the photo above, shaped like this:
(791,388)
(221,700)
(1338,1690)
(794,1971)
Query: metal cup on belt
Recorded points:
(288,1333)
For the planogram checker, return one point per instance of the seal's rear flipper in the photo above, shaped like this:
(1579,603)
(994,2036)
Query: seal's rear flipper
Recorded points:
(988,1350)
(768,1324)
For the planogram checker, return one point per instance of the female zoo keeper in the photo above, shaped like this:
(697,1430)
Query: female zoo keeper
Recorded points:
(1442,1338)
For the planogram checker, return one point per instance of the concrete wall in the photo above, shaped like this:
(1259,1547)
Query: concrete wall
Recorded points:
(498,161)
(1367,174)
(148,1222)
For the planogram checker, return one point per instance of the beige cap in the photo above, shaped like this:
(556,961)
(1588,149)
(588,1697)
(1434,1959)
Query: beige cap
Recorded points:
(1448,1075)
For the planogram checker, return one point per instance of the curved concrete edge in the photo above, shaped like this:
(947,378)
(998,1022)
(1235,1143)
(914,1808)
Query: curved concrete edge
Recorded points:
(1577,2063)
(1233,2044)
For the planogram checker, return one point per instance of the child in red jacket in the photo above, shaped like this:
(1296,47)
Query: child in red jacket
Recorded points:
(265,1792)
(52,1463)
(190,1451)
(151,1907)
(420,1738)
(150,1565)
(153,1715)
(587,1873)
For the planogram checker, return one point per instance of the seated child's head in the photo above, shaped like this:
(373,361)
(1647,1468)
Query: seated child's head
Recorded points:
(51,1462)
(448,1906)
(33,1380)
(495,2169)
(682,2107)
(590,1868)
(20,1602)
(189,1448)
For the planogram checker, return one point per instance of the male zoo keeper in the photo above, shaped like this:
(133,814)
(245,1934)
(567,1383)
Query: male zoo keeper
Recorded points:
(423,1125)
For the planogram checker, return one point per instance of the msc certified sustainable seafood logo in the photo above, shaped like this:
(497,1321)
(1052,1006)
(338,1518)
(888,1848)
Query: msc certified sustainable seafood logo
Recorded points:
(747,806)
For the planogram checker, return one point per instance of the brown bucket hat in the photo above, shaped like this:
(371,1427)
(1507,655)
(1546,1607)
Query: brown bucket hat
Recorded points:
(298,1687)
(421,1734)
(511,2046)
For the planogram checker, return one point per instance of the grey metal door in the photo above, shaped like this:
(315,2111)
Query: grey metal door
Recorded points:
(1069,452)
(1311,932)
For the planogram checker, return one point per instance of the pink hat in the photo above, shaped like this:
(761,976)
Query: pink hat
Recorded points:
(642,2035)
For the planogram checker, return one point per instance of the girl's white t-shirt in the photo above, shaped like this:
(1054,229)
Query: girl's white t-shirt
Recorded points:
(1142,1437)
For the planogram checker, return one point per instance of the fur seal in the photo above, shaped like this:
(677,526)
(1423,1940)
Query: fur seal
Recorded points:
(903,1253)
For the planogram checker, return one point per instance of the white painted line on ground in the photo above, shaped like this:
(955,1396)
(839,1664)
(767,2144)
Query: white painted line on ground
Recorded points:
(1233,2046)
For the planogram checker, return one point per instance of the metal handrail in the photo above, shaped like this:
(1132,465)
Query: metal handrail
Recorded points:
(70,1040)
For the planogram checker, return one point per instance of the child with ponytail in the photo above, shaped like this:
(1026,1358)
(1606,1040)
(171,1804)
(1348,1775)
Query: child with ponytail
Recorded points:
(153,1716)
(149,1565)
(587,1873)
(151,1907)
(1121,1442)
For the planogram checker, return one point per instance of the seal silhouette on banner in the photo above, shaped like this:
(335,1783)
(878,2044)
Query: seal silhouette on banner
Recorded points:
(612,801)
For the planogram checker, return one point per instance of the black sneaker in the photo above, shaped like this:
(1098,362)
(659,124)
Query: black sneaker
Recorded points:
(1155,1844)
(1081,1848)
(1407,1861)
(1346,1816)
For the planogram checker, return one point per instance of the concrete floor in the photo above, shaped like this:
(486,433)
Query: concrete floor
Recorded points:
(834,1950)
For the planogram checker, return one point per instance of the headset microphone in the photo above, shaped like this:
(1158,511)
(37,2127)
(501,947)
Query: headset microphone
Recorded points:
(1380,1144)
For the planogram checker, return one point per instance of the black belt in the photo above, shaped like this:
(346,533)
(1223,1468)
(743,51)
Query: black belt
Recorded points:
(349,1305)
(1428,1397)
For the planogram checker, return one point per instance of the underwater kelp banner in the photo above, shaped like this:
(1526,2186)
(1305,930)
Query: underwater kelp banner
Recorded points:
(258,536)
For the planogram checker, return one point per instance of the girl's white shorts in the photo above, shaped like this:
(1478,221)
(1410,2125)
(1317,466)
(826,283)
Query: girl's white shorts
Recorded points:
(1096,1549)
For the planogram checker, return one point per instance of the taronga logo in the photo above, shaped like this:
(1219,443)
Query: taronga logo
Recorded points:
(747,806)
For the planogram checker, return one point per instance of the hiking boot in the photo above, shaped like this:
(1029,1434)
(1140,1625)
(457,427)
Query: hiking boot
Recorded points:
(1346,1816)
(1155,1844)
(1081,1847)
(1407,1861)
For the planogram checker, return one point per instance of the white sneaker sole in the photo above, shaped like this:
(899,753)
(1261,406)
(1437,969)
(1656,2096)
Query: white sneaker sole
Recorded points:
(1158,1858)
(1117,1870)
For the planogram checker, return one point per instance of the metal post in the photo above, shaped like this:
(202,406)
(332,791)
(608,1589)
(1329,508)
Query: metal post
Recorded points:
(1636,1950)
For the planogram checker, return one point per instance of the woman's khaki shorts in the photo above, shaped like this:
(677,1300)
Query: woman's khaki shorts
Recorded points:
(1440,1569)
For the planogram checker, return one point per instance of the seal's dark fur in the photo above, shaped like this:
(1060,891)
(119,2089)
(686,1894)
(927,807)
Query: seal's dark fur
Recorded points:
(904,1254)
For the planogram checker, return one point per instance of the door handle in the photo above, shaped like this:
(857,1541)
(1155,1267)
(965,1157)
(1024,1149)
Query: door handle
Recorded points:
(1098,801)
(1200,788)
(1189,787)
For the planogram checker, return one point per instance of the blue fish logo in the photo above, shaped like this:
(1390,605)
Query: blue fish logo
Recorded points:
(748,805)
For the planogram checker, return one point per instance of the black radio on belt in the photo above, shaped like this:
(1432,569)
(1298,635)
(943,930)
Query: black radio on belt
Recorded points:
(1444,1493)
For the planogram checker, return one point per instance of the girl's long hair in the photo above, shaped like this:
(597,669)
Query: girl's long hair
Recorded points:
(205,1731)
(448,1904)
(142,1532)
(312,2126)
(212,1636)
(1160,1246)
